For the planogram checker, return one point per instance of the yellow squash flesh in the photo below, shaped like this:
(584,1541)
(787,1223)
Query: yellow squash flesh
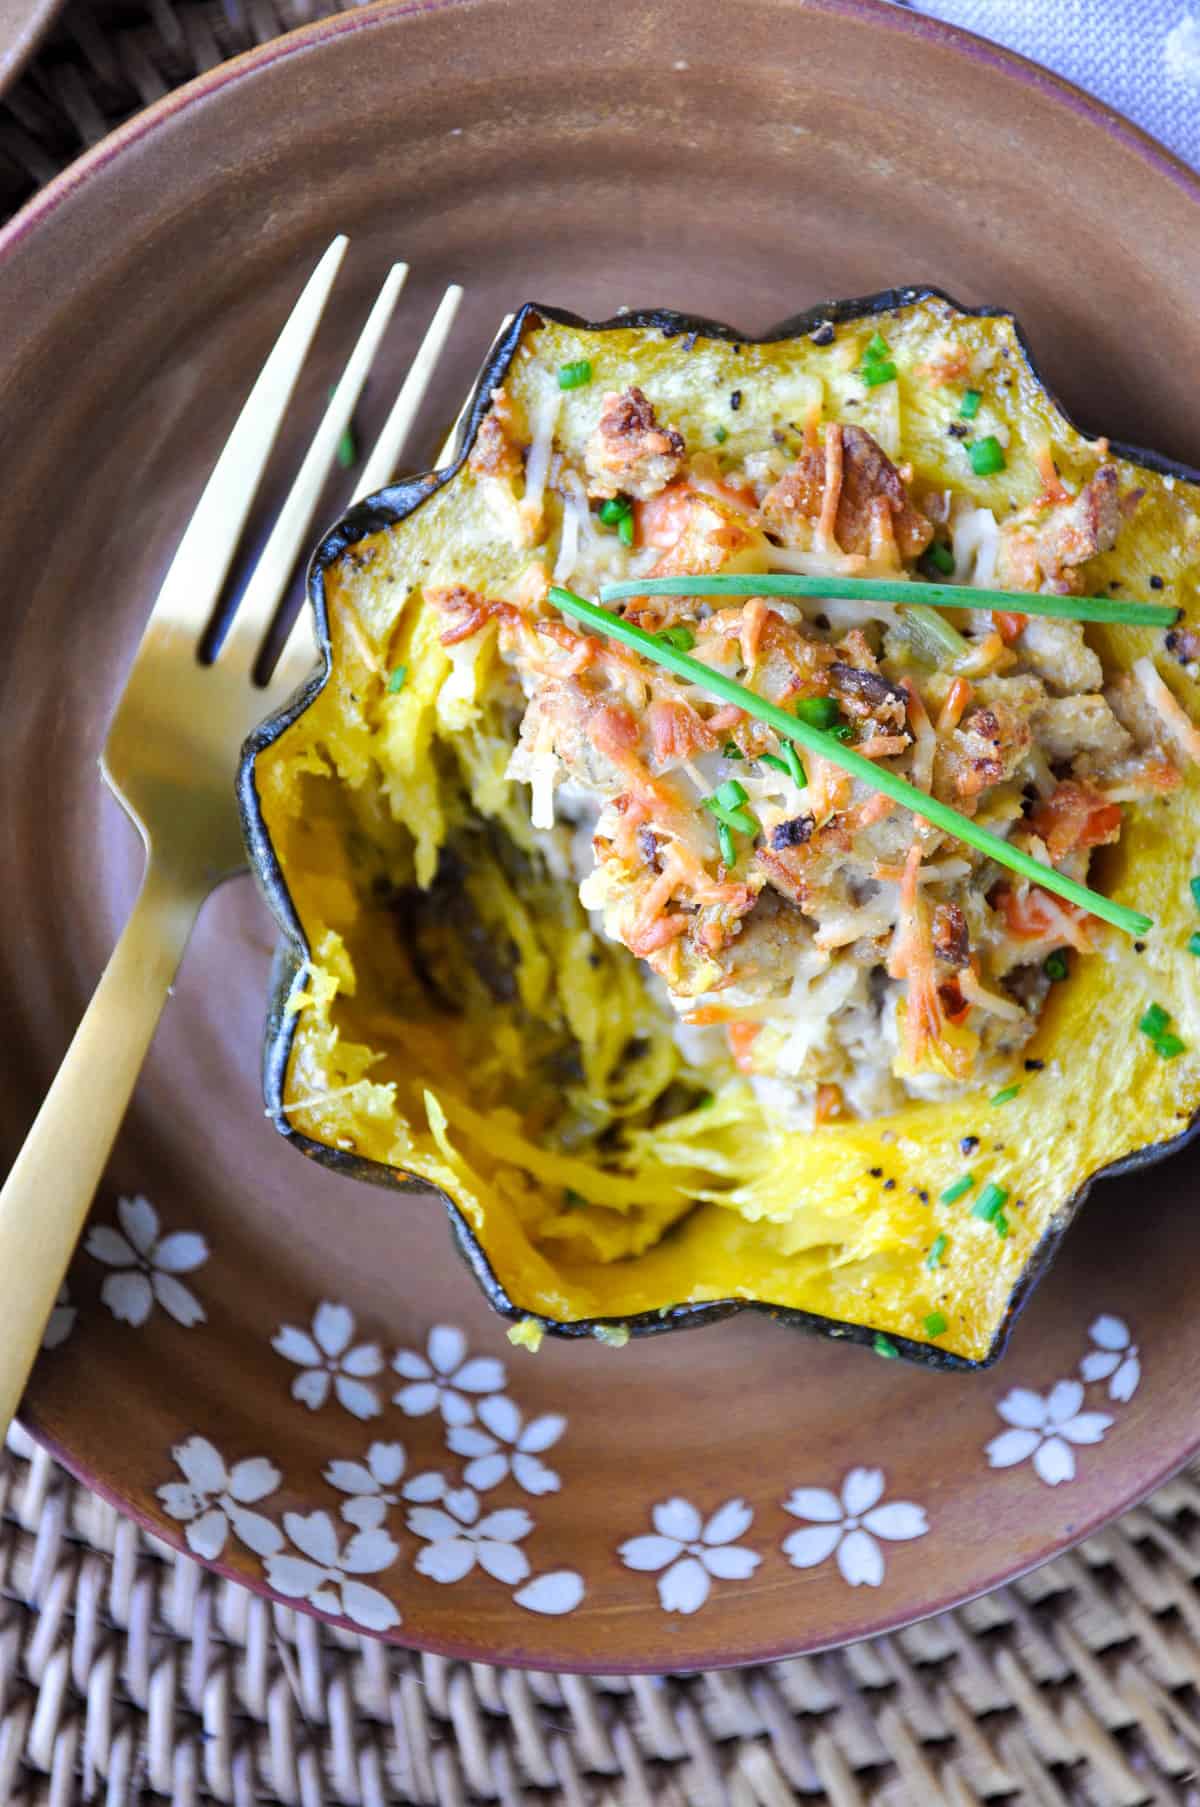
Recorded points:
(807,1222)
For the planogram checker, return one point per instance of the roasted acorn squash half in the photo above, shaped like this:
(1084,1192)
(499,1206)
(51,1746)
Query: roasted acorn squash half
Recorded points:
(448,1014)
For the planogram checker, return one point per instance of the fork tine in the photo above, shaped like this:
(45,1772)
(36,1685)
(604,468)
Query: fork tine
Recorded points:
(385,453)
(299,651)
(275,565)
(202,559)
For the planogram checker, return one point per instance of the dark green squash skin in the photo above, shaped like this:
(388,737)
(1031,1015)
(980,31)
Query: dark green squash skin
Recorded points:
(384,510)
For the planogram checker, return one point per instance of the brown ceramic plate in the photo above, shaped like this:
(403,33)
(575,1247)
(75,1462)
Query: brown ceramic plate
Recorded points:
(272,1362)
(22,23)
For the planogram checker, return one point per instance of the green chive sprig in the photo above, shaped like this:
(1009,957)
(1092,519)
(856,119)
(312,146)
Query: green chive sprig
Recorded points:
(957,1189)
(575,376)
(987,456)
(1110,609)
(828,746)
(1155,1025)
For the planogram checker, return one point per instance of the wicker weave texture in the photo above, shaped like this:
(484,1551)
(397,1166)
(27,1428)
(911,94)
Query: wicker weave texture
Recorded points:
(129,1674)
(105,61)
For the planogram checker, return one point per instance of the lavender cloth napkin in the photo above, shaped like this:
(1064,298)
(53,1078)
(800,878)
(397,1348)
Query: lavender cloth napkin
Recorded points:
(1141,56)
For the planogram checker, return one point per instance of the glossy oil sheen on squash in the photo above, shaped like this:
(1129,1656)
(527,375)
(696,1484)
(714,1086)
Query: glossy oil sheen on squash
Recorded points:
(804,1224)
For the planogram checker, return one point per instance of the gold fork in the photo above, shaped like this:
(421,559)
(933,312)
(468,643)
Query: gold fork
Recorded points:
(169,760)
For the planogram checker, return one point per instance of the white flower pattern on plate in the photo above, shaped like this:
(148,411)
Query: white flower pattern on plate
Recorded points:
(212,1497)
(456,1538)
(325,1573)
(61,1321)
(329,1357)
(372,1485)
(441,1379)
(554,1594)
(692,1553)
(1046,1429)
(1115,1359)
(507,1445)
(147,1265)
(851,1525)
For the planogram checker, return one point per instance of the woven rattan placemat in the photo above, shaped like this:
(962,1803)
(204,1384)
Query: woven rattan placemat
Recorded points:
(128,1673)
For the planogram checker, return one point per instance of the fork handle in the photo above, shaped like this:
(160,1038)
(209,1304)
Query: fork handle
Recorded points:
(50,1187)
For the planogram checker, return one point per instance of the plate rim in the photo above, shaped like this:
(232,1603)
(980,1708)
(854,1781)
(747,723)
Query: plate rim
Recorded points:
(385,15)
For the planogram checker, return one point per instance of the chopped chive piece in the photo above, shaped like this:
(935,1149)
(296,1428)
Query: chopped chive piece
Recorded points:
(741,819)
(987,456)
(1005,1095)
(843,732)
(613,510)
(1055,965)
(887,591)
(957,1189)
(818,711)
(1000,1224)
(730,794)
(705,1101)
(625,530)
(1155,1022)
(883,1345)
(941,557)
(721,434)
(936,1251)
(681,638)
(935,1324)
(396,681)
(1193,945)
(575,376)
(992,1199)
(725,843)
(874,374)
(1196,891)
(877,347)
(796,771)
(970,403)
(1169,1045)
(789,765)
(731,750)
(599,620)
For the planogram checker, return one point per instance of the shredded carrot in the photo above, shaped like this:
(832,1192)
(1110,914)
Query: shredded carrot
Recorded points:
(1053,488)
(742,1037)
(830,1104)
(831,493)
(1009,624)
(925,740)
(882,746)
(877,808)
(1031,914)
(988,654)
(957,698)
